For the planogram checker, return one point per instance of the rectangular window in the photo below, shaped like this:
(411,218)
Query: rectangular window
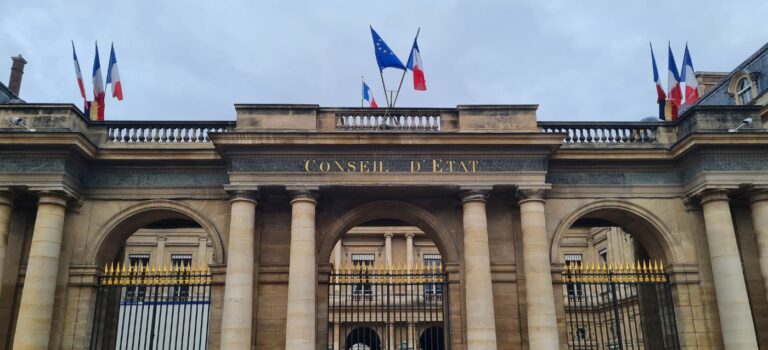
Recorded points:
(180,292)
(137,293)
(433,289)
(604,254)
(575,290)
(363,286)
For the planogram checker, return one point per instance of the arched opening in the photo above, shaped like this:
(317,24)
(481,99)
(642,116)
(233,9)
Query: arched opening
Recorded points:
(155,289)
(387,274)
(432,338)
(615,291)
(363,338)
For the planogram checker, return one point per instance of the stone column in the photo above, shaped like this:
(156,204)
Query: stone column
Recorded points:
(409,249)
(337,255)
(202,251)
(388,247)
(6,207)
(758,201)
(236,324)
(33,326)
(160,252)
(539,294)
(300,322)
(481,322)
(730,289)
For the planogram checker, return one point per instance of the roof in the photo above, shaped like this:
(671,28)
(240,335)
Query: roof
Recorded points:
(7,96)
(755,63)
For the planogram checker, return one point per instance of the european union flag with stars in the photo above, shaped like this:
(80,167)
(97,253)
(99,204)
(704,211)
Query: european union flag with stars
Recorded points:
(384,55)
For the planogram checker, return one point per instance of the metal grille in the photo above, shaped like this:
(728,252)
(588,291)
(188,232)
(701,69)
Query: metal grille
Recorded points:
(619,306)
(138,307)
(399,308)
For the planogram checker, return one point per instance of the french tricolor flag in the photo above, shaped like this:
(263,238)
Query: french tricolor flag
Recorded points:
(689,77)
(98,89)
(78,73)
(673,86)
(414,64)
(661,96)
(113,76)
(368,96)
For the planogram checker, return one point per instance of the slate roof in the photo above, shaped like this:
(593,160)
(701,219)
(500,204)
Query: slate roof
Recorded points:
(755,63)
(7,97)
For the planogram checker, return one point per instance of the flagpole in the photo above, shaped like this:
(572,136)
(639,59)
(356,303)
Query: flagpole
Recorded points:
(381,73)
(362,81)
(405,70)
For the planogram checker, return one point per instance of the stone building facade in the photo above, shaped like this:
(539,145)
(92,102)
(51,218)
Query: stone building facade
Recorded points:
(504,198)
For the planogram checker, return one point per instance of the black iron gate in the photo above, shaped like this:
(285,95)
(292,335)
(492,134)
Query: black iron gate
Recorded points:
(152,308)
(388,308)
(619,306)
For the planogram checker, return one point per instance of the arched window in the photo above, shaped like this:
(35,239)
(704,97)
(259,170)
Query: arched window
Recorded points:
(744,92)
(742,87)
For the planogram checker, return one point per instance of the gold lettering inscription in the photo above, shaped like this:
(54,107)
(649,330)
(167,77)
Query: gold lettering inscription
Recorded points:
(379,166)
(415,166)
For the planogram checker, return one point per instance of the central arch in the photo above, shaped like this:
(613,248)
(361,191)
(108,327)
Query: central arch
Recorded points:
(391,209)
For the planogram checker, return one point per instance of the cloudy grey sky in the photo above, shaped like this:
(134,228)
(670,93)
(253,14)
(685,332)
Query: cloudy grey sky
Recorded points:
(580,60)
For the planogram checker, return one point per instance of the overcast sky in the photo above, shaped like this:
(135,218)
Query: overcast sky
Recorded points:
(579,60)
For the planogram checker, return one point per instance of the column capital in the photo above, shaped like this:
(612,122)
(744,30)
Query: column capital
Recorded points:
(712,195)
(388,235)
(409,235)
(243,195)
(52,197)
(474,194)
(7,198)
(531,195)
(303,193)
(757,194)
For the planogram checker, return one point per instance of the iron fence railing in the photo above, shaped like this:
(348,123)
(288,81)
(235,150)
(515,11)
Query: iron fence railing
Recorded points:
(619,306)
(152,308)
(388,307)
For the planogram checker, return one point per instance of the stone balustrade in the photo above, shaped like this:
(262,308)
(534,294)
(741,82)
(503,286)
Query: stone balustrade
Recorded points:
(165,132)
(604,132)
(397,120)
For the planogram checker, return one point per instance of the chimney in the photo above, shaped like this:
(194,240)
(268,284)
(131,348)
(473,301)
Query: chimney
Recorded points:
(17,70)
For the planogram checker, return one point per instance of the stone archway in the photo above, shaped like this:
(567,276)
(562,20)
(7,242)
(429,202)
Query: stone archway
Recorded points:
(430,300)
(113,234)
(646,311)
(649,230)
(391,209)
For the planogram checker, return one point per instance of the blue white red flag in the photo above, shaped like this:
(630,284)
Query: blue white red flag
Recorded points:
(673,86)
(78,73)
(98,89)
(368,96)
(414,64)
(689,77)
(385,58)
(661,96)
(113,76)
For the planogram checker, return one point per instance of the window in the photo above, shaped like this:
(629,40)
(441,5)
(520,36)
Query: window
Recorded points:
(604,254)
(363,286)
(137,293)
(433,289)
(744,91)
(574,290)
(179,292)
(581,334)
